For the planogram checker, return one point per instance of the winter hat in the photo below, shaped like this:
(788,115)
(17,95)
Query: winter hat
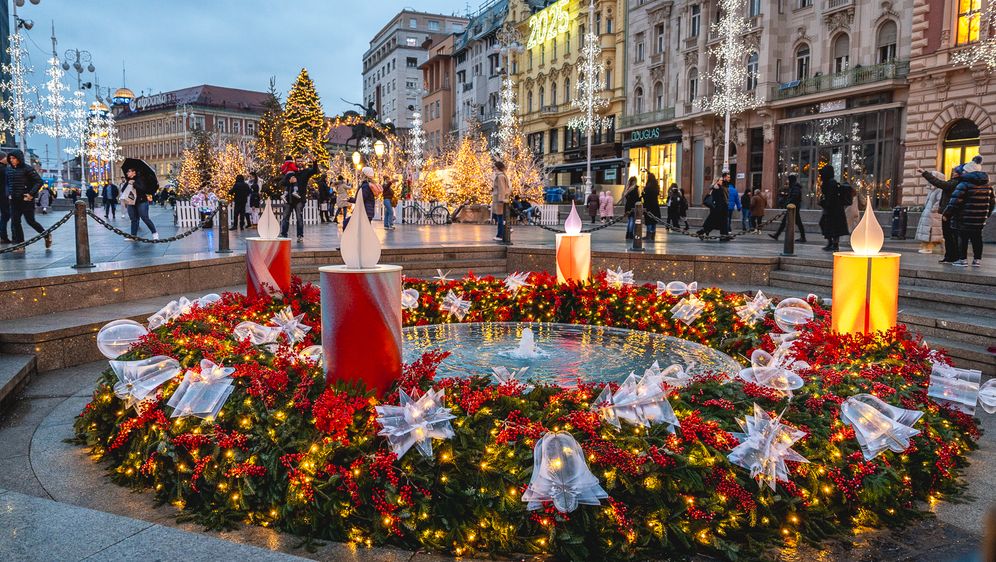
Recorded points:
(975,165)
(368,172)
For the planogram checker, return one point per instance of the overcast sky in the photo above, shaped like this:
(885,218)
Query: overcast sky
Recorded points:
(171,44)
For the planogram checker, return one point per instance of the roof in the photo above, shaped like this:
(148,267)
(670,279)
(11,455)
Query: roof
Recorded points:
(486,21)
(204,95)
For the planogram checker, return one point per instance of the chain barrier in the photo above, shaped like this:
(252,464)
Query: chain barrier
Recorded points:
(532,221)
(40,236)
(179,236)
(757,230)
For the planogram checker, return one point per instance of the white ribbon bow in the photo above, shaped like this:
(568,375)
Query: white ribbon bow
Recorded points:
(561,475)
(455,306)
(202,394)
(755,309)
(688,309)
(677,288)
(516,281)
(774,371)
(415,423)
(409,298)
(639,400)
(617,278)
(879,426)
(290,325)
(175,309)
(765,446)
(137,380)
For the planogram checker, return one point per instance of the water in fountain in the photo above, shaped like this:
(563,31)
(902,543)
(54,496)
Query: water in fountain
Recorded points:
(559,353)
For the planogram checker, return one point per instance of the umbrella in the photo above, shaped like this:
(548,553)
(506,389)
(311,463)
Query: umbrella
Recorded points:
(140,167)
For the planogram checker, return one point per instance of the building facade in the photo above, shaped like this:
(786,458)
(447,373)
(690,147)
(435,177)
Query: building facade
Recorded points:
(392,79)
(479,66)
(438,106)
(949,114)
(831,74)
(157,128)
(546,75)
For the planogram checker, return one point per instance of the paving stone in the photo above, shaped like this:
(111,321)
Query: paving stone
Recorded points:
(164,543)
(16,475)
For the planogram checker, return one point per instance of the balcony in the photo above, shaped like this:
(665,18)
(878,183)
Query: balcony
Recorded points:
(467,86)
(550,109)
(656,59)
(691,42)
(852,77)
(835,5)
(648,118)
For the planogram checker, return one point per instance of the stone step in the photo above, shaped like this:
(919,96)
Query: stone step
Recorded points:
(947,278)
(15,372)
(965,356)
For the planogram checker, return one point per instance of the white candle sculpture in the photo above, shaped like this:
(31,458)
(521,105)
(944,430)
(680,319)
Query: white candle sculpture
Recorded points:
(573,252)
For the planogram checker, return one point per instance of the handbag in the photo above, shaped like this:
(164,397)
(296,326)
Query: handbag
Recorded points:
(708,201)
(128,196)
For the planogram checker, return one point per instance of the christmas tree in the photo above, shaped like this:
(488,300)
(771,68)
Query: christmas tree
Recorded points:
(227,163)
(525,175)
(305,127)
(196,164)
(472,172)
(270,149)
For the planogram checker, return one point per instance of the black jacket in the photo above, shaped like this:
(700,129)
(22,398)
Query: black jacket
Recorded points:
(4,197)
(254,200)
(630,199)
(22,180)
(301,188)
(240,194)
(110,193)
(834,199)
(323,189)
(794,195)
(947,187)
(144,189)
(971,203)
(652,201)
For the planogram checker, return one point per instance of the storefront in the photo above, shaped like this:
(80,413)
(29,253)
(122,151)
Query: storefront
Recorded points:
(654,150)
(859,137)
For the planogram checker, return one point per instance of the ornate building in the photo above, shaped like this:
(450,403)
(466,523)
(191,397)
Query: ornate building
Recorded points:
(831,75)
(479,66)
(546,78)
(949,114)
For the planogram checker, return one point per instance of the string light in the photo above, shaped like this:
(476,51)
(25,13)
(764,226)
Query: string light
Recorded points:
(983,51)
(18,101)
(589,88)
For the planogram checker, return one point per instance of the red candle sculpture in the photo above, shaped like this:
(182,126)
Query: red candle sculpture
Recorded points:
(268,258)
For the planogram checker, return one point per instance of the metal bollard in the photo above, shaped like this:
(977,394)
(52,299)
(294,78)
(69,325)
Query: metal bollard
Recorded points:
(82,237)
(506,238)
(637,228)
(223,227)
(790,213)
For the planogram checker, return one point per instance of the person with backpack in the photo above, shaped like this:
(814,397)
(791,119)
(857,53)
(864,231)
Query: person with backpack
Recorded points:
(970,206)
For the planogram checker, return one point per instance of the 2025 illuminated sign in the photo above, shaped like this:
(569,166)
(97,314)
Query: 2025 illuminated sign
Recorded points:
(549,23)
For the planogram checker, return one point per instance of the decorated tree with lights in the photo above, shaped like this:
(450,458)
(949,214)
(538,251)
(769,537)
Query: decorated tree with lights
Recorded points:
(589,97)
(416,155)
(55,108)
(432,186)
(227,162)
(17,101)
(729,75)
(196,165)
(983,51)
(78,127)
(270,147)
(471,172)
(103,149)
(525,174)
(304,125)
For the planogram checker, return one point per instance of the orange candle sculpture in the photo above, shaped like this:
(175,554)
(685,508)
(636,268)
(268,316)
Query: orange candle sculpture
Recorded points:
(573,251)
(865,281)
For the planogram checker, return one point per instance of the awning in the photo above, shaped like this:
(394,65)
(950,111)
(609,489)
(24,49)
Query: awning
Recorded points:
(595,165)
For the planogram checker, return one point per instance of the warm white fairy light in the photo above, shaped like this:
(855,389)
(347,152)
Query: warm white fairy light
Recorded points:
(507,119)
(729,76)
(18,101)
(589,98)
(77,123)
(54,106)
(416,146)
(982,52)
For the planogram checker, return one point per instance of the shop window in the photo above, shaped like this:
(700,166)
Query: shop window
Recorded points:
(659,96)
(638,100)
(886,41)
(752,69)
(969,15)
(802,62)
(841,53)
(961,144)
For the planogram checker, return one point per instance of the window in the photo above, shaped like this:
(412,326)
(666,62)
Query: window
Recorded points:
(659,38)
(841,52)
(433,25)
(639,47)
(802,62)
(659,96)
(412,84)
(529,101)
(753,8)
(608,78)
(530,59)
(961,144)
(805,3)
(411,62)
(413,23)
(752,62)
(598,23)
(696,21)
(581,37)
(886,41)
(693,84)
(553,93)
(554,138)
(608,24)
(969,15)
(542,98)
(411,41)
(554,48)
(542,54)
(567,90)
(638,101)
(567,41)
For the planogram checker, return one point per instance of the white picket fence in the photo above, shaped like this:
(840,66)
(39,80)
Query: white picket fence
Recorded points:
(408,212)
(549,214)
(187,215)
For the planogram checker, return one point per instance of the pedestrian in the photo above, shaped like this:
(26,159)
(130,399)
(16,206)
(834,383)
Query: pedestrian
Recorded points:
(651,206)
(630,196)
(719,210)
(971,204)
(499,198)
(91,197)
(255,198)
(929,229)
(341,199)
(677,207)
(4,200)
(136,195)
(745,198)
(732,200)
(240,193)
(758,205)
(390,200)
(593,204)
(109,195)
(23,184)
(834,199)
(295,184)
(791,196)
(605,209)
(74,194)
(946,187)
(45,198)
(289,166)
(324,196)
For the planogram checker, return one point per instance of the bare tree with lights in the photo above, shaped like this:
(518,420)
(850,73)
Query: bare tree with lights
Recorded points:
(589,99)
(729,75)
(18,101)
(983,51)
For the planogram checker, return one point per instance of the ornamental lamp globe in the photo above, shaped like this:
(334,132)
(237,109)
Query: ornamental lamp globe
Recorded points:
(379,148)
(356,158)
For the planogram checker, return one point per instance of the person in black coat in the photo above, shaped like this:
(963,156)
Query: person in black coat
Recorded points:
(630,197)
(717,201)
(677,206)
(240,199)
(834,199)
(91,197)
(651,205)
(255,196)
(109,194)
(323,199)
(792,196)
(970,206)
(4,200)
(947,187)
(23,185)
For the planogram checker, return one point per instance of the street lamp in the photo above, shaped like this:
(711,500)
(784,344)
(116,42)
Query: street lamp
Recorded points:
(357,159)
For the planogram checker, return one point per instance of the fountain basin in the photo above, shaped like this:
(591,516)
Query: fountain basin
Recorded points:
(564,352)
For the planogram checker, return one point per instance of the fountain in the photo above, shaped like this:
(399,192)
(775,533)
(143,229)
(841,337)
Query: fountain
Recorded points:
(558,353)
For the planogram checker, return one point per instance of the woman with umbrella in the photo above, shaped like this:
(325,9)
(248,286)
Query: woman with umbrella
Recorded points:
(140,185)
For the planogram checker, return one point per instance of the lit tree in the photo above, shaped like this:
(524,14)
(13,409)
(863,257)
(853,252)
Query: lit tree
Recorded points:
(525,176)
(54,109)
(196,164)
(589,99)
(471,172)
(508,121)
(305,127)
(983,51)
(269,146)
(227,162)
(78,125)
(432,186)
(18,101)
(103,148)
(416,148)
(729,76)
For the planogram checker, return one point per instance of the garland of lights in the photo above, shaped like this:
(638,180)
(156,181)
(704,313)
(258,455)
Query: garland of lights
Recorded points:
(54,103)
(983,51)
(589,99)
(416,148)
(18,101)
(287,453)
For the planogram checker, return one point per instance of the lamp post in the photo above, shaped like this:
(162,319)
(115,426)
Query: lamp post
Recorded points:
(357,161)
(80,58)
(379,153)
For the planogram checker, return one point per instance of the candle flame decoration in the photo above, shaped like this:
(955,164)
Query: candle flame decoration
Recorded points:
(268,226)
(867,238)
(572,225)
(360,246)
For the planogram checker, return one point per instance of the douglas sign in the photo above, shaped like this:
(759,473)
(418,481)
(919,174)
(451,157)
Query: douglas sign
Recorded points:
(643,135)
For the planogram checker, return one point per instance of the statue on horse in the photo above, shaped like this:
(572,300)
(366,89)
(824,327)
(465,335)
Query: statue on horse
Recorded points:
(363,130)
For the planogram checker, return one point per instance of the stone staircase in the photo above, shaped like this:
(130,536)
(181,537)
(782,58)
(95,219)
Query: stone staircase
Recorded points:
(954,310)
